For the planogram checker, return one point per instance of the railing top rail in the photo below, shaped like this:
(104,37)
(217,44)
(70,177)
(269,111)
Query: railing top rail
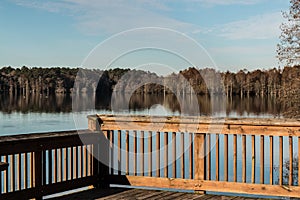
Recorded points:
(200,120)
(43,141)
(251,126)
(41,135)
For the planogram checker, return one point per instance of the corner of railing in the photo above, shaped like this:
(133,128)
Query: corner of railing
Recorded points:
(100,151)
(94,123)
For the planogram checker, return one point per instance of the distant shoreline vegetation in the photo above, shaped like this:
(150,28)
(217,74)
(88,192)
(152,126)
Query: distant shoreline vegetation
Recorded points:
(271,82)
(283,85)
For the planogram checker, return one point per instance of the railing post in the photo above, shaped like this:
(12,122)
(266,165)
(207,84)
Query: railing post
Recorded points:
(100,153)
(199,159)
(38,174)
(94,123)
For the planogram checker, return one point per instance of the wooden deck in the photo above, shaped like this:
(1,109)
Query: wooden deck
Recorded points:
(140,194)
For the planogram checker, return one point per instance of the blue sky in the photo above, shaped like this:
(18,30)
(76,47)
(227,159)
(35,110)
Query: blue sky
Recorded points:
(236,34)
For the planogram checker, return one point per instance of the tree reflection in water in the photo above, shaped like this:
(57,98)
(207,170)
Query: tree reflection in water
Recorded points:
(235,106)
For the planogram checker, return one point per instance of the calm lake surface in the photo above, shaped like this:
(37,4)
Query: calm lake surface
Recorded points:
(35,113)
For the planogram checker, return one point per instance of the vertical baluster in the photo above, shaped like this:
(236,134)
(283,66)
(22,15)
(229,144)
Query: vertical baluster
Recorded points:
(44,162)
(66,167)
(62,173)
(142,146)
(127,152)
(82,164)
(96,153)
(298,161)
(271,160)
(235,158)
(158,154)
(174,155)
(92,159)
(95,171)
(5,176)
(166,154)
(25,175)
(150,153)
(80,160)
(59,175)
(32,175)
(19,174)
(72,163)
(253,159)
(76,162)
(191,156)
(101,152)
(86,153)
(280,159)
(208,155)
(262,159)
(12,172)
(244,158)
(182,155)
(50,166)
(225,157)
(291,160)
(217,157)
(135,153)
(119,152)
(112,152)
(75,152)
(55,165)
(38,173)
(89,160)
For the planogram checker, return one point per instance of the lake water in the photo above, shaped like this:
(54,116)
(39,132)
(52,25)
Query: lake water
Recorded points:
(35,113)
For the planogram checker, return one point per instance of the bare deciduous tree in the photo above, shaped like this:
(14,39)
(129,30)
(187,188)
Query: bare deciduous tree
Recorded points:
(288,50)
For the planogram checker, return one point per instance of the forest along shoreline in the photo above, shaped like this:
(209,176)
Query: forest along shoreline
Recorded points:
(284,85)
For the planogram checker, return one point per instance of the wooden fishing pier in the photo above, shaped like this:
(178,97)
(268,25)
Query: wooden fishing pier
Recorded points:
(193,155)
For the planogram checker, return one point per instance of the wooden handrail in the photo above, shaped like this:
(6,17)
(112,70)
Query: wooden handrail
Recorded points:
(274,127)
(214,154)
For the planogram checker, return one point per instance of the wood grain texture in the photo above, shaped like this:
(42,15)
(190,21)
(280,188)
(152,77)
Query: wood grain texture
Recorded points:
(225,157)
(218,186)
(262,159)
(244,159)
(275,127)
(235,158)
(280,160)
(271,160)
(199,158)
(291,156)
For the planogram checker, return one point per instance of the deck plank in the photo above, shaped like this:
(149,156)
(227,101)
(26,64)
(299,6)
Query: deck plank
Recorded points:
(140,194)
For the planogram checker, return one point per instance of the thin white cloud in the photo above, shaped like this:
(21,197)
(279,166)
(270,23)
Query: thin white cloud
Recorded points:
(50,6)
(94,16)
(258,27)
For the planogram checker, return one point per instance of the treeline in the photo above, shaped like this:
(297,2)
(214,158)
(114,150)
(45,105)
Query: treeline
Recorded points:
(36,80)
(272,82)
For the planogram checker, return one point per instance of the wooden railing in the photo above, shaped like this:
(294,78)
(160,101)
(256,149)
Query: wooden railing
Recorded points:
(236,155)
(47,163)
